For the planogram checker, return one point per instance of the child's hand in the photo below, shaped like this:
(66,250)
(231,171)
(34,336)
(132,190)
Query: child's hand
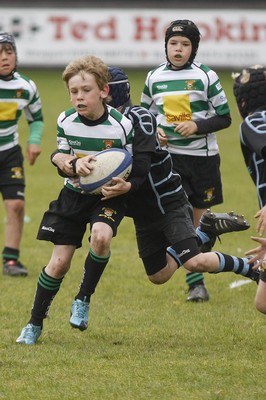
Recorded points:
(119,187)
(186,128)
(162,137)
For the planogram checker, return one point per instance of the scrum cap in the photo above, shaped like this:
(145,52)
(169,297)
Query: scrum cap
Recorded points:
(119,87)
(250,89)
(186,28)
(6,37)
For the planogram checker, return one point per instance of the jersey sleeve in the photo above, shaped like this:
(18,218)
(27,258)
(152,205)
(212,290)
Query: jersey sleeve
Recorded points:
(144,144)
(146,99)
(33,111)
(62,142)
(216,95)
(253,133)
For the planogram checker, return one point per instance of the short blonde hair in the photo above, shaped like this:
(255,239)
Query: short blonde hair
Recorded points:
(87,64)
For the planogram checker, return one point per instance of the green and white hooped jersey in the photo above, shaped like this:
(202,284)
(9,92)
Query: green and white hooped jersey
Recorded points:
(75,137)
(16,95)
(191,94)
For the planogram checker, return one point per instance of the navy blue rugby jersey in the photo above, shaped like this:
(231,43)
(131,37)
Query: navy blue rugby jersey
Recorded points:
(156,188)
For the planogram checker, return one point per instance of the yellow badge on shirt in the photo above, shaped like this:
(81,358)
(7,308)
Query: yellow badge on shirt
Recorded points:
(8,111)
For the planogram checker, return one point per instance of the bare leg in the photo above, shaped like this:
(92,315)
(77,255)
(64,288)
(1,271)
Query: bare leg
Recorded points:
(14,223)
(260,299)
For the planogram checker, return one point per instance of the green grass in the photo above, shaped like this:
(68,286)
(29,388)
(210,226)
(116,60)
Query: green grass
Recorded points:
(143,341)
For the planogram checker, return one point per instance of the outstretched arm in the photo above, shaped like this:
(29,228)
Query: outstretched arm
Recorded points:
(258,254)
(261,225)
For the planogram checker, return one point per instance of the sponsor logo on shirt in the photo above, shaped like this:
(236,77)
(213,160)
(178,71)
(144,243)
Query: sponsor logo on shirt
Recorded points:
(177,108)
(74,143)
(48,228)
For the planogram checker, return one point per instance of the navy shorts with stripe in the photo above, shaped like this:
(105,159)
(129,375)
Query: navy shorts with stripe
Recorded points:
(66,220)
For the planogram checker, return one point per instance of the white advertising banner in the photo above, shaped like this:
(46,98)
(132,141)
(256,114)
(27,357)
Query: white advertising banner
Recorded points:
(132,37)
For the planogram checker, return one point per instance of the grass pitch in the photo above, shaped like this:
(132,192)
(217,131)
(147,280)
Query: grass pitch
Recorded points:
(144,341)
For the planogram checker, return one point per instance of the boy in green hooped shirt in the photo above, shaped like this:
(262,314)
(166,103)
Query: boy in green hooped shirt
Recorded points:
(190,105)
(17,93)
(90,126)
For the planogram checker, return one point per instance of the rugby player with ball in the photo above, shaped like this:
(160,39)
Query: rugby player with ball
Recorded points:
(84,130)
(161,212)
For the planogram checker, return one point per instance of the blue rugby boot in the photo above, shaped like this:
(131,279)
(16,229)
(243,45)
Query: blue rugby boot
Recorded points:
(79,315)
(30,334)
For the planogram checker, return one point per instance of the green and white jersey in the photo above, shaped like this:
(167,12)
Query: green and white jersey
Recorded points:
(16,95)
(79,136)
(191,94)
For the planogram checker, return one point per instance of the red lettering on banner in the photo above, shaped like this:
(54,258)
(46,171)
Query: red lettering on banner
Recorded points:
(79,29)
(257,28)
(224,30)
(150,29)
(106,30)
(58,21)
(241,31)
(205,31)
(150,26)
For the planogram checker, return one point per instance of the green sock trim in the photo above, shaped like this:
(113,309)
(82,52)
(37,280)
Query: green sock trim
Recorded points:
(9,253)
(100,259)
(194,277)
(49,283)
(10,257)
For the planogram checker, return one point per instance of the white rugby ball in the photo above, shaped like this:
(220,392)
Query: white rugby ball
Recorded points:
(108,164)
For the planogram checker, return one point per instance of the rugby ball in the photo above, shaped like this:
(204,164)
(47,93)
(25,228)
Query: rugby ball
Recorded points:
(108,164)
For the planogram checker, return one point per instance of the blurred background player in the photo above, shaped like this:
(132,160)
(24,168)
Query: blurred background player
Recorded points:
(250,94)
(190,105)
(17,93)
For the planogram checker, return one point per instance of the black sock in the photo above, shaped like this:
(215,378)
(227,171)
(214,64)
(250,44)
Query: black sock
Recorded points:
(93,269)
(10,254)
(47,287)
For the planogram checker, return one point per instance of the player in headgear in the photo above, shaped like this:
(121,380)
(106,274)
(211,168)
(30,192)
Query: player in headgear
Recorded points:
(250,89)
(191,107)
(119,87)
(17,94)
(250,94)
(7,40)
(186,28)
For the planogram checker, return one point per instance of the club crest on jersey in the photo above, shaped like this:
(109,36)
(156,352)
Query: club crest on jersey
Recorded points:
(108,144)
(107,213)
(19,93)
(190,85)
(17,173)
(209,193)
